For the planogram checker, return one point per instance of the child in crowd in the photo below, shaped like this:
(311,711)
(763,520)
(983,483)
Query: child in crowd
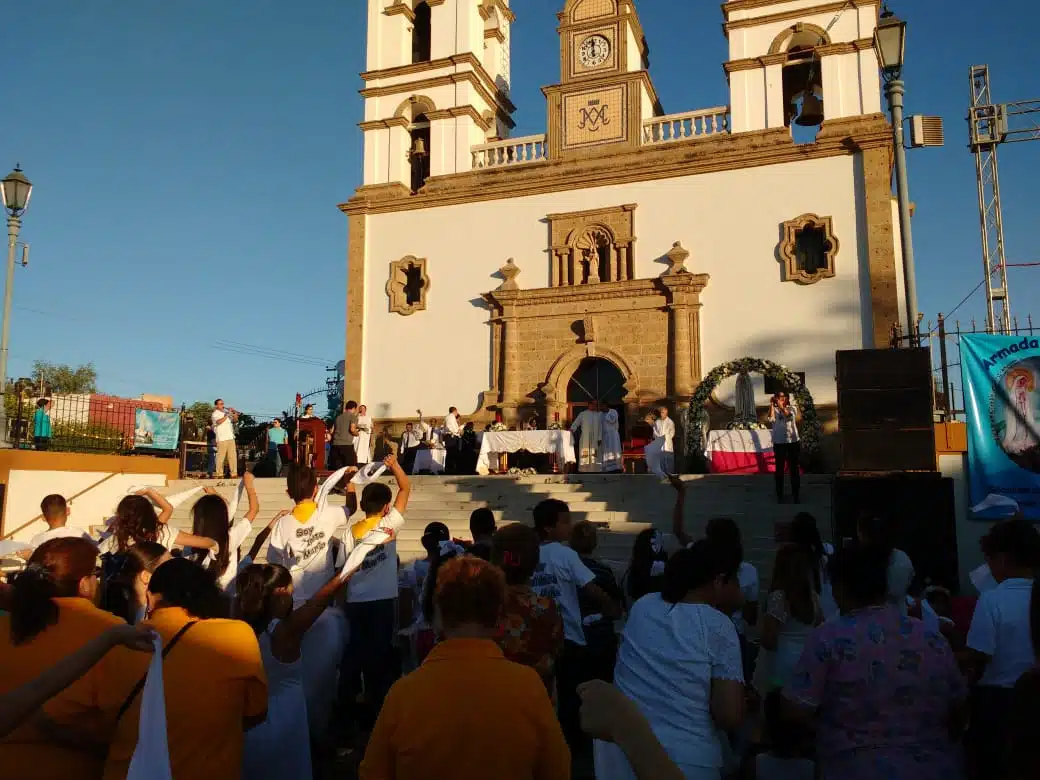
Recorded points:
(280,746)
(724,534)
(410,585)
(531,629)
(560,575)
(600,636)
(302,541)
(124,591)
(786,744)
(371,604)
(55,511)
(137,521)
(646,570)
(214,518)
(805,533)
(481,528)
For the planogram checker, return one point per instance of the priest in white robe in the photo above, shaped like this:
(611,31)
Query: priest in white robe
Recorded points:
(589,426)
(660,453)
(363,441)
(612,461)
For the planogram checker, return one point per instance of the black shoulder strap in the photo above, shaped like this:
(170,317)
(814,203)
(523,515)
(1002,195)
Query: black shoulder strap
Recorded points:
(140,683)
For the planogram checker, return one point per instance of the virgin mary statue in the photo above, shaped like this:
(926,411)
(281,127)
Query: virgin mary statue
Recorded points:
(1020,432)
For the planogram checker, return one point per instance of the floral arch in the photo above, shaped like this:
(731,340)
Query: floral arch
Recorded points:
(697,415)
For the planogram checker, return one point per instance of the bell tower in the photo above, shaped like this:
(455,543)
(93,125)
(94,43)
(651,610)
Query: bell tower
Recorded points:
(605,91)
(800,62)
(437,84)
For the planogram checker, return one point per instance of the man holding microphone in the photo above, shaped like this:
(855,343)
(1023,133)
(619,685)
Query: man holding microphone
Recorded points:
(223,426)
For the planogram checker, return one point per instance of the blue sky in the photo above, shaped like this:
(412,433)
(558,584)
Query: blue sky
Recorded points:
(188,159)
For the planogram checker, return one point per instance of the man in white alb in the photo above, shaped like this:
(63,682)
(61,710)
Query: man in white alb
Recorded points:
(452,440)
(660,454)
(223,421)
(589,426)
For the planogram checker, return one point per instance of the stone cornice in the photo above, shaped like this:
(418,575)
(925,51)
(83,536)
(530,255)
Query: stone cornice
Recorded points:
(830,49)
(466,58)
(633,294)
(606,80)
(469,76)
(487,5)
(456,111)
(837,137)
(781,16)
(383,124)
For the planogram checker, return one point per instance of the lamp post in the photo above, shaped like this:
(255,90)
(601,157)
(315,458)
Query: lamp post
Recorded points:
(15,191)
(890,47)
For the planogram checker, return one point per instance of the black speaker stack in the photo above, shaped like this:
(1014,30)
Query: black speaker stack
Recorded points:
(887,434)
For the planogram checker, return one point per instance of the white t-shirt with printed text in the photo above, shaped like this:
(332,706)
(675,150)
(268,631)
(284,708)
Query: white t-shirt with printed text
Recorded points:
(376,580)
(1000,629)
(559,576)
(305,549)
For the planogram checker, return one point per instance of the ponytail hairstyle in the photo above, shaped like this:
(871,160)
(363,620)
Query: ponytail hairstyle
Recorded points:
(183,583)
(136,521)
(120,572)
(806,535)
(54,571)
(255,589)
(792,575)
(646,570)
(515,549)
(446,551)
(209,518)
(695,566)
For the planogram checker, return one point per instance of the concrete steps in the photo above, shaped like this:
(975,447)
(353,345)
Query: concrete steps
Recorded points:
(621,505)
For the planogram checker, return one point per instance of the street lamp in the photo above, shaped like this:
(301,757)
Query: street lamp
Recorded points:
(15,191)
(890,47)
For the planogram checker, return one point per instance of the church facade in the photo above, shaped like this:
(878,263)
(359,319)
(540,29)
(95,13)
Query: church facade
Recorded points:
(625,252)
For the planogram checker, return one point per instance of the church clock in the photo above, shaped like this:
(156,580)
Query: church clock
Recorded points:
(594,51)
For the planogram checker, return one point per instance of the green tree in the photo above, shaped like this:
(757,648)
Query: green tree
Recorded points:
(63,378)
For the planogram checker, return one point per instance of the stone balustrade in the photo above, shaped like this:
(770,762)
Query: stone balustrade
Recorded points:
(511,151)
(689,124)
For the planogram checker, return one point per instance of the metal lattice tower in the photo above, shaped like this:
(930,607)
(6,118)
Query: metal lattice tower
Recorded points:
(992,124)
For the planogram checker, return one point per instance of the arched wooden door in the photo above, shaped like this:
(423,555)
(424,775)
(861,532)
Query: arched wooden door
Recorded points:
(596,379)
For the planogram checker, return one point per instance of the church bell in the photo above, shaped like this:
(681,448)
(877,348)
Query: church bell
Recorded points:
(419,148)
(812,111)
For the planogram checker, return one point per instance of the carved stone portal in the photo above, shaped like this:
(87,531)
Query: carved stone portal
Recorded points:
(591,247)
(408,286)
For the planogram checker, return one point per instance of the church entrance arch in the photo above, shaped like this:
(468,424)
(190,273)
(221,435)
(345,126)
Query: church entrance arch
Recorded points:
(596,379)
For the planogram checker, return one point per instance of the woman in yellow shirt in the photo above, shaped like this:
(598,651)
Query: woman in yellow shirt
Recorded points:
(53,614)
(213,678)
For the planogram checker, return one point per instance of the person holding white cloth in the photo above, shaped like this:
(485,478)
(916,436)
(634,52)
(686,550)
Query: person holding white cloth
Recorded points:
(660,453)
(363,441)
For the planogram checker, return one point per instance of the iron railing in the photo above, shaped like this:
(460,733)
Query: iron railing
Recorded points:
(944,342)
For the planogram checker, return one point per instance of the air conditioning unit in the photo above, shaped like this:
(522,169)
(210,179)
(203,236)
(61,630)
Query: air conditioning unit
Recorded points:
(926,131)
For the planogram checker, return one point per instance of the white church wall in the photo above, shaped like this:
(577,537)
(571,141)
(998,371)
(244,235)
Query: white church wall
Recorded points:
(729,221)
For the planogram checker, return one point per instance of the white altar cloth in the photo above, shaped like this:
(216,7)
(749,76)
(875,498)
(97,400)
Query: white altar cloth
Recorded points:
(558,443)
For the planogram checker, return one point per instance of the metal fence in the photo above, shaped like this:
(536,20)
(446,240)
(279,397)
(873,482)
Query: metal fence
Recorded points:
(72,422)
(943,338)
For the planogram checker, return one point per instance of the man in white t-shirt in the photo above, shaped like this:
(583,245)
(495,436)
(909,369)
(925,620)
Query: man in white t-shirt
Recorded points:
(303,541)
(223,421)
(560,575)
(55,510)
(452,438)
(371,605)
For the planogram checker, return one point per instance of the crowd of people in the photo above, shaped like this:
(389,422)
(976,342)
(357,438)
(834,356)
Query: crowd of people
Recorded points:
(512,663)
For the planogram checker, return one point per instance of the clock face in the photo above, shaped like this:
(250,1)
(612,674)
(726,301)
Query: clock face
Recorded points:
(594,51)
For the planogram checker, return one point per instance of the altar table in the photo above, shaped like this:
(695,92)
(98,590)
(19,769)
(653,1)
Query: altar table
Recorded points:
(431,460)
(741,452)
(495,443)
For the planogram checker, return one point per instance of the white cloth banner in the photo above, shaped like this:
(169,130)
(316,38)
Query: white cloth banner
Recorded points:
(151,759)
(431,460)
(558,443)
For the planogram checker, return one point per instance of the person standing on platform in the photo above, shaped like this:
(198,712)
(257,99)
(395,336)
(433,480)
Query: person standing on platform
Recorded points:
(452,435)
(612,461)
(42,425)
(223,421)
(787,446)
(363,442)
(276,437)
(344,431)
(410,441)
(589,426)
(662,460)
